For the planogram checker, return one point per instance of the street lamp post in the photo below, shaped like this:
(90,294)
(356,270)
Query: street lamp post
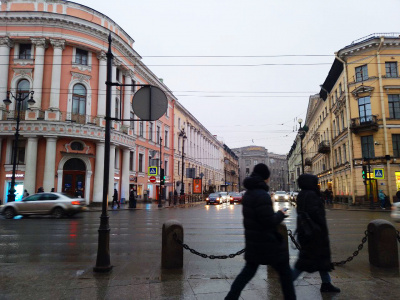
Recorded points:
(301,131)
(182,134)
(160,194)
(19,98)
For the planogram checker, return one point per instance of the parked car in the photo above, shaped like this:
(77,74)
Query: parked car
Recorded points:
(235,197)
(395,214)
(214,198)
(56,204)
(281,196)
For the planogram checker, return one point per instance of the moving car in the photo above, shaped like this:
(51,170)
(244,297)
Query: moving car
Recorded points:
(225,197)
(395,214)
(293,196)
(235,197)
(281,196)
(56,204)
(214,198)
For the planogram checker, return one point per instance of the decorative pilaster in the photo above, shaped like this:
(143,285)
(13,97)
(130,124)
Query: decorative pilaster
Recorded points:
(58,46)
(125,175)
(40,46)
(50,163)
(101,99)
(127,101)
(5,45)
(99,173)
(111,174)
(30,165)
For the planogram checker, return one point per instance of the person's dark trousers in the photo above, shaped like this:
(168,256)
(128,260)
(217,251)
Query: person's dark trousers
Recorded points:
(241,280)
(248,272)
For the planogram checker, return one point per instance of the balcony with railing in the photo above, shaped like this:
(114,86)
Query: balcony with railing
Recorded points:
(363,124)
(324,147)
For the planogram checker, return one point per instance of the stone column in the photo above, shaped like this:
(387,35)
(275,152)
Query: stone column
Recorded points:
(98,173)
(127,101)
(40,45)
(87,187)
(111,174)
(58,46)
(5,45)
(125,175)
(30,165)
(114,91)
(50,163)
(101,99)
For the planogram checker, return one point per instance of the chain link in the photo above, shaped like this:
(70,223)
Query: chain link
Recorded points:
(355,253)
(293,239)
(185,246)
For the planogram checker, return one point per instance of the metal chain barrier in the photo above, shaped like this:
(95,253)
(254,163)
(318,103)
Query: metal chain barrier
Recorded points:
(398,236)
(205,255)
(355,253)
(293,239)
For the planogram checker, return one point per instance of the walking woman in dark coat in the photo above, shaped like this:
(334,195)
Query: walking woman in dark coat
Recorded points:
(315,253)
(264,245)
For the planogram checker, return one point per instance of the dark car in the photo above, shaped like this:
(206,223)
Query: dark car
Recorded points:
(235,198)
(214,198)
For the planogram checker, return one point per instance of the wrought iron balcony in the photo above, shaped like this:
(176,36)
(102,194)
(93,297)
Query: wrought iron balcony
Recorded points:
(308,161)
(367,123)
(324,147)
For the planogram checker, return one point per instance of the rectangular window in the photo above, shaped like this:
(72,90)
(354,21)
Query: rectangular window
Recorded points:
(247,162)
(158,134)
(336,159)
(131,160)
(391,70)
(342,116)
(166,137)
(334,129)
(132,123)
(165,168)
(394,106)
(340,155)
(150,131)
(179,123)
(396,145)
(25,51)
(367,146)
(247,171)
(344,153)
(361,73)
(140,162)
(340,89)
(141,128)
(364,109)
(117,74)
(81,57)
(179,168)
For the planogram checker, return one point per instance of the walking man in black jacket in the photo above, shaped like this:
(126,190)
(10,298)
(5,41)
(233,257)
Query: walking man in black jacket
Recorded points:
(264,245)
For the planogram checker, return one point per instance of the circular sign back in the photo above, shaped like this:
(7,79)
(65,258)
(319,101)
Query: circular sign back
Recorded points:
(149,103)
(153,179)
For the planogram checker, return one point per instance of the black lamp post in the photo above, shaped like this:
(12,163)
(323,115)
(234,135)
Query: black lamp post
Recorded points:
(301,131)
(19,98)
(182,134)
(161,179)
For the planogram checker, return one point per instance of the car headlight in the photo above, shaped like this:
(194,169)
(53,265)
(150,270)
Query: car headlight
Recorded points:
(276,197)
(286,197)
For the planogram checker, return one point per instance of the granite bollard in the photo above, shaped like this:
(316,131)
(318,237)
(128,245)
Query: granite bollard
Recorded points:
(172,252)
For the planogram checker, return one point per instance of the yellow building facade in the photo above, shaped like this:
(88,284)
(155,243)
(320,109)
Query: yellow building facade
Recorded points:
(353,124)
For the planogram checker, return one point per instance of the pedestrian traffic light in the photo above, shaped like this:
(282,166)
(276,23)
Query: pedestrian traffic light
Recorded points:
(364,172)
(162,177)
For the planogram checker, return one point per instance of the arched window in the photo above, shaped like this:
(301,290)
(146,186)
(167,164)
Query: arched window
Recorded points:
(23,88)
(79,99)
(77,146)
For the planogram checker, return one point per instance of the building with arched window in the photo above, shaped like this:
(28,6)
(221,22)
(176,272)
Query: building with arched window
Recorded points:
(57,49)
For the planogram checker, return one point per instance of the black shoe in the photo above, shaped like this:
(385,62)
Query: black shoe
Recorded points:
(329,288)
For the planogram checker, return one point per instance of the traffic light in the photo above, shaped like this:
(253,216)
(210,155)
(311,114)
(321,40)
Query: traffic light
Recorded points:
(364,172)
(162,177)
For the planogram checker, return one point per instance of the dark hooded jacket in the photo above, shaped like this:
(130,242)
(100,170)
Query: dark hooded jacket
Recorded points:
(264,245)
(315,254)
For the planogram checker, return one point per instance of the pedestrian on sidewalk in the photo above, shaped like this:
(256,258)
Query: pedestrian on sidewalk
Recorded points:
(315,253)
(264,245)
(382,197)
(115,198)
(132,199)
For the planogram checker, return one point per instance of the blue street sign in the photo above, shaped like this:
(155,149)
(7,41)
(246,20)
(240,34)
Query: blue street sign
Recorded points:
(379,174)
(153,171)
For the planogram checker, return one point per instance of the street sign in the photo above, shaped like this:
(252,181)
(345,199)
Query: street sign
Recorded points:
(153,171)
(153,179)
(379,173)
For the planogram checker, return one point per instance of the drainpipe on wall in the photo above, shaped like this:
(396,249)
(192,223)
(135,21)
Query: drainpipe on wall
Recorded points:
(349,134)
(378,57)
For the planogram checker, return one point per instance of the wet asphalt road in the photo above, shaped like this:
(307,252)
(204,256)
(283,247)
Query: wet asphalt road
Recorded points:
(209,229)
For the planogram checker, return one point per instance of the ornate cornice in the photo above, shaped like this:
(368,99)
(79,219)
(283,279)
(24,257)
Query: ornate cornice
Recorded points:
(23,72)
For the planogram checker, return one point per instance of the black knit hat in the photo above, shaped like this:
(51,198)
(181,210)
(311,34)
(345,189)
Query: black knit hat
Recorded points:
(262,171)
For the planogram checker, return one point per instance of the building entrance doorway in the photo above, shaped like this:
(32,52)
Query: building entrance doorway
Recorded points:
(74,172)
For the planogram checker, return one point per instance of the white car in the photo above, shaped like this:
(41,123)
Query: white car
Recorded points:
(396,211)
(55,204)
(281,196)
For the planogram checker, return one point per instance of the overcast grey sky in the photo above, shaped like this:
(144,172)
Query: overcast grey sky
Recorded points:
(250,93)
